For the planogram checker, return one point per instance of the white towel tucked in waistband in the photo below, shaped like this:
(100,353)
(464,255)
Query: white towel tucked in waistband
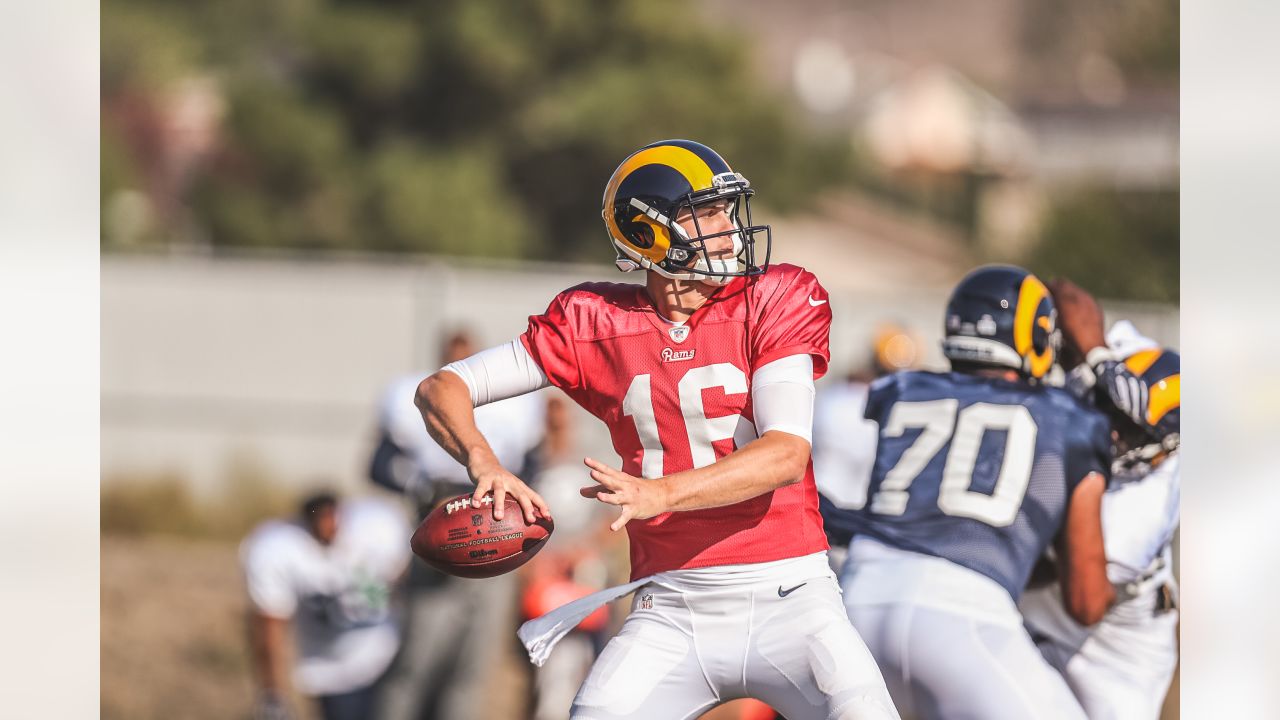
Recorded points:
(541,634)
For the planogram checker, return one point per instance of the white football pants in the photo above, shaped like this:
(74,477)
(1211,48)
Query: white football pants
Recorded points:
(773,631)
(1120,669)
(949,640)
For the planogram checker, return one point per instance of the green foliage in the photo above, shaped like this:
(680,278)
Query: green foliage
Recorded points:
(1142,36)
(145,47)
(1114,244)
(1144,39)
(287,182)
(118,169)
(474,127)
(363,55)
(295,141)
(448,202)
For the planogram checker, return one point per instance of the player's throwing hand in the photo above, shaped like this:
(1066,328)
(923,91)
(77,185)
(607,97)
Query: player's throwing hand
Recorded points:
(639,499)
(491,476)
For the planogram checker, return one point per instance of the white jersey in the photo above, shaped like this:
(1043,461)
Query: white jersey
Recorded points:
(338,596)
(844,444)
(1139,519)
(512,427)
(1121,668)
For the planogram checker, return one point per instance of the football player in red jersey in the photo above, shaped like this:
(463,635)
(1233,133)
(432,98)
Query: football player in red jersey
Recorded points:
(704,377)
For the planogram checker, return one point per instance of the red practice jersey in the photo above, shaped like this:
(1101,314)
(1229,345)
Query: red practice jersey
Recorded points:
(679,397)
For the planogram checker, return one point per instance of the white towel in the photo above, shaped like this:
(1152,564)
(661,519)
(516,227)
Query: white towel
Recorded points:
(541,634)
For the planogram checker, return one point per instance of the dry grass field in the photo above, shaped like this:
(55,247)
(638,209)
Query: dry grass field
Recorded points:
(173,637)
(174,645)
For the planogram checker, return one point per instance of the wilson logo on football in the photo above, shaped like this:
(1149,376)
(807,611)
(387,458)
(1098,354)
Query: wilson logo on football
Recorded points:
(669,355)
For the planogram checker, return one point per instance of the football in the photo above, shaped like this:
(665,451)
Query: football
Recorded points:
(461,539)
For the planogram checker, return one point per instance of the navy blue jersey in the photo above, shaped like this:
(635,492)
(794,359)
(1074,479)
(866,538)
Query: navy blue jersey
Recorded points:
(975,470)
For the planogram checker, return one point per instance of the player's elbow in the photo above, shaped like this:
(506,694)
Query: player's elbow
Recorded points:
(792,458)
(429,390)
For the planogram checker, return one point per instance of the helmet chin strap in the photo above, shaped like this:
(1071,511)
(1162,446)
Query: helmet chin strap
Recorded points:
(729,264)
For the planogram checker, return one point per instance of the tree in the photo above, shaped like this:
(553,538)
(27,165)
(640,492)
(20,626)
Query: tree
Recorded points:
(474,127)
(1115,244)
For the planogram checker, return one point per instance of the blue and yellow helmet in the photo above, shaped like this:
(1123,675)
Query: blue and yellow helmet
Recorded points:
(1138,445)
(1160,370)
(647,193)
(1002,316)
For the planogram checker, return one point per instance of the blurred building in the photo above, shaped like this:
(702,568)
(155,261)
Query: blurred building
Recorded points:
(1026,98)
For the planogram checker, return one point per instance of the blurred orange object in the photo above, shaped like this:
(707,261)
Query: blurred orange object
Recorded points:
(543,595)
(753,709)
(894,348)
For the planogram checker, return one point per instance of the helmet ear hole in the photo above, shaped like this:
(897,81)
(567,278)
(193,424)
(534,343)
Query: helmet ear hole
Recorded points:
(640,234)
(1039,339)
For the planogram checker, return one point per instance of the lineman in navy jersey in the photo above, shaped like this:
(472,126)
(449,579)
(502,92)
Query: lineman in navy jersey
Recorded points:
(1015,454)
(977,471)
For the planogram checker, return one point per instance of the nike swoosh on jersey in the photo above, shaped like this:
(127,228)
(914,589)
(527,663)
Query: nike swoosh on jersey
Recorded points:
(816,303)
(784,593)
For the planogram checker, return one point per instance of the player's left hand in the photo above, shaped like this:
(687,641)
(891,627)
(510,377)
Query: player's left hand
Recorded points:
(1079,316)
(639,499)
(1127,392)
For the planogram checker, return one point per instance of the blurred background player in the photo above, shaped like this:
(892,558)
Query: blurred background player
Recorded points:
(704,377)
(844,441)
(329,572)
(977,471)
(1121,668)
(455,628)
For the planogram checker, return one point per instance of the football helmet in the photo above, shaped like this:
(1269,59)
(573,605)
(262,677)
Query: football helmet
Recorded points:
(1003,316)
(1138,443)
(648,192)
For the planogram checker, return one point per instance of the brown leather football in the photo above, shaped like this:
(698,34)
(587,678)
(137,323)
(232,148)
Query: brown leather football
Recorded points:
(463,540)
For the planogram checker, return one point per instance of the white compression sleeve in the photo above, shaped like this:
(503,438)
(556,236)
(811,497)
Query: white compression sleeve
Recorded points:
(499,373)
(782,395)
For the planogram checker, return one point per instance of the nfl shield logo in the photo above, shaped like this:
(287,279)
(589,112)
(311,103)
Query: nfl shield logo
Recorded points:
(679,333)
(646,602)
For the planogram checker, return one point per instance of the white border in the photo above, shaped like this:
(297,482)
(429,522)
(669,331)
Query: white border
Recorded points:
(49,74)
(1231,340)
